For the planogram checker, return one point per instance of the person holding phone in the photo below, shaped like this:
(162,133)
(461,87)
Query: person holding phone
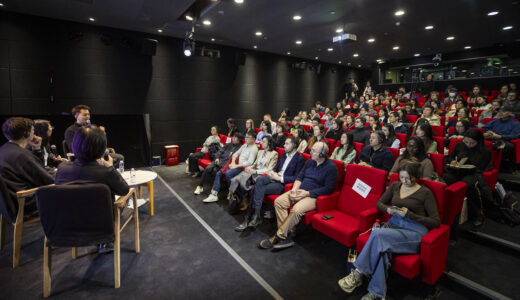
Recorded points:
(414,213)
(19,168)
(318,177)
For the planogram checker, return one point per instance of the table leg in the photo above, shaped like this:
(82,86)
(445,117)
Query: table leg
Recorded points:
(150,195)
(140,190)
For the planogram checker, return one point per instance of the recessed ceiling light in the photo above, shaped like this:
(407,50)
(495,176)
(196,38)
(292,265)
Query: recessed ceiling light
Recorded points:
(395,48)
(359,66)
(316,57)
(298,42)
(91,19)
(206,22)
(159,30)
(464,71)
(258,33)
(467,47)
(239,1)
(339,30)
(332,12)
(510,70)
(450,38)
(189,18)
(507,27)
(297,17)
(355,55)
(417,54)
(399,13)
(339,62)
(504,67)
(330,49)
(288,53)
(348,64)
(255,46)
(1,4)
(492,13)
(429,27)
(371,40)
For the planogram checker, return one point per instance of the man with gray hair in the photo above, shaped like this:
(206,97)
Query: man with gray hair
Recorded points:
(317,178)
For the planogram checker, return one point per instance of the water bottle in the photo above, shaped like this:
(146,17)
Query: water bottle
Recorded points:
(132,175)
(376,225)
(121,168)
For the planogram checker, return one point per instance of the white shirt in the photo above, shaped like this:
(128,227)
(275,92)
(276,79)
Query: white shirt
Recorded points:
(285,164)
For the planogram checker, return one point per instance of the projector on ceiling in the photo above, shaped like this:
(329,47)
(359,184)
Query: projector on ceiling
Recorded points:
(348,37)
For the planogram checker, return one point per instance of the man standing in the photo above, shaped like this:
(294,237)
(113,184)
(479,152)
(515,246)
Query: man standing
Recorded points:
(318,177)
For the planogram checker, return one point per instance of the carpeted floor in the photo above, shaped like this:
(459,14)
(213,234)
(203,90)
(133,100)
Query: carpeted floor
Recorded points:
(180,259)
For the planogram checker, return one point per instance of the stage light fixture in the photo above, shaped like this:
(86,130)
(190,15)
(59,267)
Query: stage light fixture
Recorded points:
(189,43)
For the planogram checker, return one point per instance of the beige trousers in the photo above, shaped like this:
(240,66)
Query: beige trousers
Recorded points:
(286,221)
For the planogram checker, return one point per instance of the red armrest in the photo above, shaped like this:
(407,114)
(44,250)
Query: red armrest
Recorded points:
(288,187)
(328,202)
(491,178)
(455,193)
(434,250)
(516,143)
(367,218)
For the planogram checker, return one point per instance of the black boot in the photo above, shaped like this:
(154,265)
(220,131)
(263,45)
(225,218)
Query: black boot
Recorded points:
(256,220)
(243,226)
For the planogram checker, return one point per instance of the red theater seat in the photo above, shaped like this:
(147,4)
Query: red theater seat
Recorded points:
(349,208)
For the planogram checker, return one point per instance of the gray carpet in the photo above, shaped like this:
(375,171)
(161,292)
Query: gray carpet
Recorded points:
(180,259)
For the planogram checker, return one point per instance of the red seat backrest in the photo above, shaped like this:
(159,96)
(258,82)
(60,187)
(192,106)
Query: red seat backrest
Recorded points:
(332,145)
(341,174)
(322,121)
(402,138)
(307,127)
(258,130)
(443,120)
(306,156)
(438,130)
(223,138)
(395,152)
(412,118)
(358,147)
(440,144)
(280,151)
(438,162)
(288,134)
(487,120)
(352,203)
(321,114)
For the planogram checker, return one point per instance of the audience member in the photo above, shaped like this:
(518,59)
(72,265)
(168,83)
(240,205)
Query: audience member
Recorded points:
(460,129)
(481,104)
(429,116)
(425,132)
(390,140)
(265,127)
(415,152)
(346,152)
(279,136)
(393,119)
(335,130)
(193,159)
(301,142)
(512,103)
(250,125)
(232,127)
(492,112)
(361,134)
(47,152)
(501,132)
(269,121)
(318,177)
(475,93)
(376,155)
(304,119)
(318,136)
(373,123)
(502,97)
(349,124)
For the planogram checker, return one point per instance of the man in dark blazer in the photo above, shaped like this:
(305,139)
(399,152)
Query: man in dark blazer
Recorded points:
(285,171)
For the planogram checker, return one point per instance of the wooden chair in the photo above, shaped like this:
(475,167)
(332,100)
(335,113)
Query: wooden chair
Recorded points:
(64,211)
(10,214)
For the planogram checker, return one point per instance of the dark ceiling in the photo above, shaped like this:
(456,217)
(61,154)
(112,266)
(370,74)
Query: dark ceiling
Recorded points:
(235,24)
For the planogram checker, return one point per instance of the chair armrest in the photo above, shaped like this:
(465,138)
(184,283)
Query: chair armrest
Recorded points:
(516,143)
(328,202)
(122,200)
(20,197)
(434,251)
(27,193)
(491,178)
(367,218)
(455,193)
(198,149)
(288,187)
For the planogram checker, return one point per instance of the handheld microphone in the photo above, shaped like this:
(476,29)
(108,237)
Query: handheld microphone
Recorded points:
(53,150)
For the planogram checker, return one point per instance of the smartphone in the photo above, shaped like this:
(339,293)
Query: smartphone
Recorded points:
(326,217)
(105,156)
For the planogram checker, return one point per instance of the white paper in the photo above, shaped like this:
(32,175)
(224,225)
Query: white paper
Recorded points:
(228,140)
(361,188)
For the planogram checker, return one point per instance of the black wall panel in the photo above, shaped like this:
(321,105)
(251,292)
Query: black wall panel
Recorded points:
(48,66)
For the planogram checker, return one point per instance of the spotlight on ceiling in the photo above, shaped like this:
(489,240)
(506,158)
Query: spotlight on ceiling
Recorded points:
(189,18)
(239,1)
(437,59)
(189,43)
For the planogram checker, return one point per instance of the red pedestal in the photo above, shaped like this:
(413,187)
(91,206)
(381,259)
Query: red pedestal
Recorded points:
(172,155)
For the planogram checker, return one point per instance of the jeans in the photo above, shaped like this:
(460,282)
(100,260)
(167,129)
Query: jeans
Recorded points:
(265,186)
(229,175)
(479,194)
(374,260)
(206,174)
(193,161)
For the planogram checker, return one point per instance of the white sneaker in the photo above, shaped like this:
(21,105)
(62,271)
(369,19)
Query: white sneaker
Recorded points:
(198,190)
(268,214)
(211,198)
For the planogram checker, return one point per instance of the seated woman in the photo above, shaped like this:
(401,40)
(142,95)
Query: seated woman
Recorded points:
(89,145)
(454,108)
(318,136)
(425,132)
(462,115)
(428,115)
(414,212)
(305,119)
(335,130)
(481,104)
(383,115)
(50,159)
(437,108)
(301,142)
(414,152)
(346,152)
(279,136)
(266,131)
(250,125)
(472,151)
(193,166)
(264,163)
(349,124)
(460,128)
(285,113)
(390,139)
(373,123)
(393,104)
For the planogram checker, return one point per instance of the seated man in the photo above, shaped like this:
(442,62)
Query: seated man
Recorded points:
(82,115)
(361,134)
(502,131)
(246,157)
(315,122)
(221,159)
(393,118)
(492,112)
(318,177)
(296,125)
(375,155)
(285,171)
(89,146)
(512,103)
(20,169)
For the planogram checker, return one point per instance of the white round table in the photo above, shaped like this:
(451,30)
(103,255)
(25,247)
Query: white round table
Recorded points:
(142,178)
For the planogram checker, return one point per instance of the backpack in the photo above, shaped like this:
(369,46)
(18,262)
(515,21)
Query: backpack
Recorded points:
(212,150)
(508,209)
